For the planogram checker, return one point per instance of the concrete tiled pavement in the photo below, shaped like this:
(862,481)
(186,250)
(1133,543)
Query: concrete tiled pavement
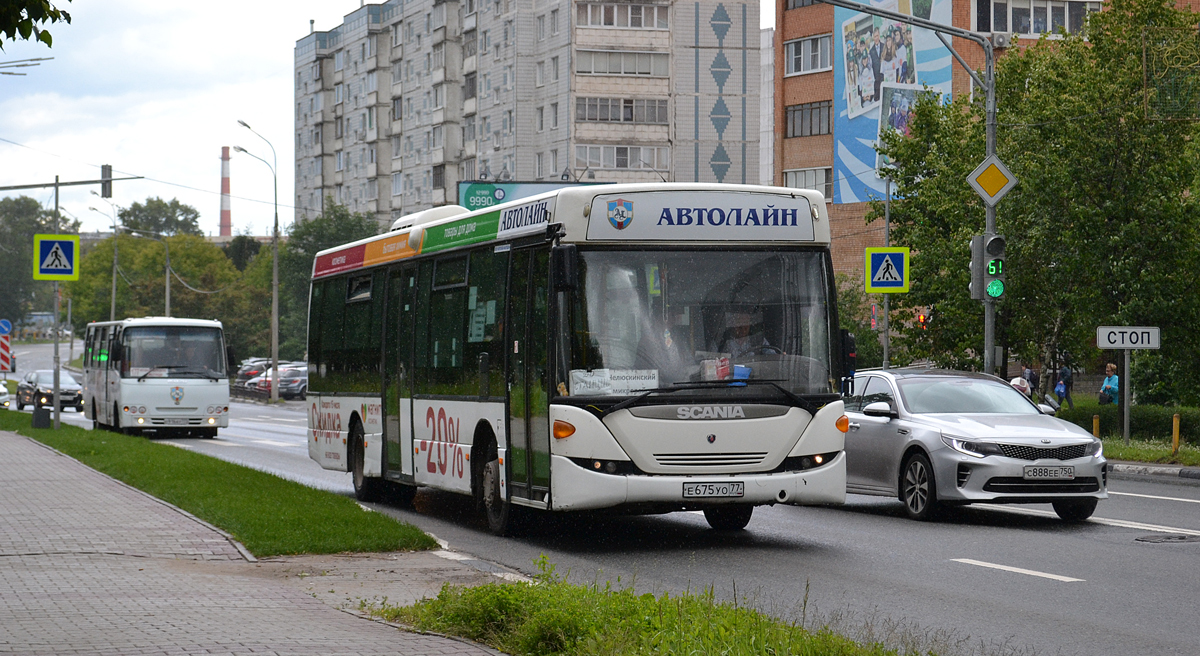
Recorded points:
(89,565)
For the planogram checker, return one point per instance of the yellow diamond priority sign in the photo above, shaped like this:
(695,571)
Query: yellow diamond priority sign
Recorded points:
(992,180)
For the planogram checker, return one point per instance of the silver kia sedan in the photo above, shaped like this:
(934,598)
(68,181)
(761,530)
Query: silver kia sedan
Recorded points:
(935,437)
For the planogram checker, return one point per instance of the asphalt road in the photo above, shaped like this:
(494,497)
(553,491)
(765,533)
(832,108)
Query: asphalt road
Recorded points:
(983,579)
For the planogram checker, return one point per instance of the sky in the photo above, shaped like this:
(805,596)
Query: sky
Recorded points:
(156,89)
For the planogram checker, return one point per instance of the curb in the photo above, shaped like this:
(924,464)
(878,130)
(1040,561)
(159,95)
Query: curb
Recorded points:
(1154,470)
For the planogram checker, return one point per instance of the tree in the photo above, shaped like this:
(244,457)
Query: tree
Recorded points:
(336,226)
(161,217)
(20,219)
(854,314)
(241,249)
(1101,224)
(24,19)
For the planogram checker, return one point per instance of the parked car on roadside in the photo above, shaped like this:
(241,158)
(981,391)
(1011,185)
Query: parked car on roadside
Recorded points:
(250,368)
(293,381)
(5,401)
(37,389)
(938,438)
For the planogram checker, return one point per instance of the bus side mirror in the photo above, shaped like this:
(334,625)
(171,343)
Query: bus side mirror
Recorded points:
(564,266)
(849,361)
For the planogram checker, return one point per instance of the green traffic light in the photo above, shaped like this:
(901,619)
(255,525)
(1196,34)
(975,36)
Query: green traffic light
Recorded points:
(995,288)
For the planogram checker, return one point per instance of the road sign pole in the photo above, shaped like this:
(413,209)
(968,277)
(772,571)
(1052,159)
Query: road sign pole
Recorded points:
(55,397)
(887,241)
(1126,394)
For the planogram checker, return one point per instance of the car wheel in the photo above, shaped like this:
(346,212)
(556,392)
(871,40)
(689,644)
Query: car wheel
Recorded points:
(1075,510)
(79,408)
(365,488)
(918,490)
(728,518)
(20,405)
(501,514)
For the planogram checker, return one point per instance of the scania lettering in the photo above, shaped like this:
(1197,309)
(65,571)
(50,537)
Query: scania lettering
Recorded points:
(158,375)
(640,348)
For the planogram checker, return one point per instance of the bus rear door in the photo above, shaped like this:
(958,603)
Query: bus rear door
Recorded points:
(529,401)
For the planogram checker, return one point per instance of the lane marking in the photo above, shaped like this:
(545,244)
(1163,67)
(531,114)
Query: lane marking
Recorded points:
(1151,496)
(1017,570)
(1120,523)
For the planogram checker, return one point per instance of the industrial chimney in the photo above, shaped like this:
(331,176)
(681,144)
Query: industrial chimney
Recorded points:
(226,220)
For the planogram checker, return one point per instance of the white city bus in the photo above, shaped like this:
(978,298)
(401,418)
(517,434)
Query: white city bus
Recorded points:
(642,348)
(156,374)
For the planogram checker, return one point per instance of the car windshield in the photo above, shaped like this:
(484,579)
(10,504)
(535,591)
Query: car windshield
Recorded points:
(172,351)
(46,377)
(651,319)
(948,394)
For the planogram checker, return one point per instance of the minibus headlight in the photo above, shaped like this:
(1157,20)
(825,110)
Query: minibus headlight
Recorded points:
(142,410)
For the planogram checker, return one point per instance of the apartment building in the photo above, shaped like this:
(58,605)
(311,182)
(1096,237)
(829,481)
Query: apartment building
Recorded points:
(407,98)
(832,99)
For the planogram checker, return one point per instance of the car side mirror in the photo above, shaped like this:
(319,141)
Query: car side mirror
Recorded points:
(879,409)
(1046,410)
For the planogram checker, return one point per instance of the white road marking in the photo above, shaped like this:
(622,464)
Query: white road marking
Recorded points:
(1151,496)
(1121,523)
(1017,570)
(277,418)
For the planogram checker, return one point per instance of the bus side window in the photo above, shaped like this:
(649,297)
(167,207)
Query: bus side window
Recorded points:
(422,352)
(485,321)
(448,372)
(87,346)
(332,336)
(316,381)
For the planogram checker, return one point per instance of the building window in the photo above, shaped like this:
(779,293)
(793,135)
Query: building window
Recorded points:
(397,184)
(470,43)
(397,108)
(439,174)
(339,93)
(553,116)
(438,16)
(624,110)
(469,85)
(808,55)
(436,137)
(608,62)
(648,17)
(539,121)
(395,146)
(554,21)
(650,158)
(554,160)
(341,161)
(468,130)
(541,27)
(796,4)
(810,119)
(554,68)
(439,96)
(539,74)
(397,34)
(1032,17)
(339,60)
(537,166)
(439,54)
(818,179)
(468,170)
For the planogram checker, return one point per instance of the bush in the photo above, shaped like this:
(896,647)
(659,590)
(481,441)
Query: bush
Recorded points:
(1146,422)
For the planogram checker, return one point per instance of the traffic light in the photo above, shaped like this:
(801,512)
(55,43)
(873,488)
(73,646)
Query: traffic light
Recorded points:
(976,285)
(993,270)
(923,320)
(106,180)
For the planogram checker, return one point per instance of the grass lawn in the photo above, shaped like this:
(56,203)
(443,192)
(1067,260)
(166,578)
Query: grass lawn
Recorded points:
(555,617)
(1151,451)
(268,514)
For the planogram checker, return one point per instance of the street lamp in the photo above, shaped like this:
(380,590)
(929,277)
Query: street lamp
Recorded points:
(150,235)
(274,263)
(112,312)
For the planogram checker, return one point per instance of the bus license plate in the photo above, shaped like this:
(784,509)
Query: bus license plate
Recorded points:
(713,490)
(176,421)
(1034,473)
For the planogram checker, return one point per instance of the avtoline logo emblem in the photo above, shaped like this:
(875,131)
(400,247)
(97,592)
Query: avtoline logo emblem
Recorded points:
(176,394)
(620,213)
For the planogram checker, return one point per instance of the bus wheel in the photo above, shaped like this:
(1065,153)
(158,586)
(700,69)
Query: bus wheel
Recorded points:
(365,489)
(728,518)
(208,433)
(501,515)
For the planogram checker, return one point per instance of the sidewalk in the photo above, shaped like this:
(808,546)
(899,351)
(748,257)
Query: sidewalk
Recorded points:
(89,565)
(1144,469)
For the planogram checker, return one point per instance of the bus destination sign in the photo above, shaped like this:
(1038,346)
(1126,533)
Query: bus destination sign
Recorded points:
(701,216)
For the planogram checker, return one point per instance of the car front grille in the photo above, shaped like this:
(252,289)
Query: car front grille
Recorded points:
(1023,452)
(710,459)
(1017,485)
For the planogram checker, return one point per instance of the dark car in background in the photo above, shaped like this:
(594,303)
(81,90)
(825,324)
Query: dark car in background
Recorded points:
(37,389)
(250,368)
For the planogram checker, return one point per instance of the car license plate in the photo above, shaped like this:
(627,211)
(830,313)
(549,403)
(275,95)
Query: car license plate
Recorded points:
(176,421)
(713,490)
(1035,473)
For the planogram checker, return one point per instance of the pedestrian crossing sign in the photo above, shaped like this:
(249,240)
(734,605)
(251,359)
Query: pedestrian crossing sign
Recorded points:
(887,270)
(56,257)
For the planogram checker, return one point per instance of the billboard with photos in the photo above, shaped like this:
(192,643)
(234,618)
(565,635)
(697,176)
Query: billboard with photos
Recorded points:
(880,66)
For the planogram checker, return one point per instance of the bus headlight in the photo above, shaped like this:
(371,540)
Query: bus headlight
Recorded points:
(142,410)
(141,420)
(212,420)
(210,409)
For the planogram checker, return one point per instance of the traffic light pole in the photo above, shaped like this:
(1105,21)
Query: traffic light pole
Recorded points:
(988,84)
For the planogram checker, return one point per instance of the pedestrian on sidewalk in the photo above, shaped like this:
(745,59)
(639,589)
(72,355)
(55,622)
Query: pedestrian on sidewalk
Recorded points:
(1111,386)
(1066,380)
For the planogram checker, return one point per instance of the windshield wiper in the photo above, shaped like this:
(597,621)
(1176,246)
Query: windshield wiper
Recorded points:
(161,366)
(796,401)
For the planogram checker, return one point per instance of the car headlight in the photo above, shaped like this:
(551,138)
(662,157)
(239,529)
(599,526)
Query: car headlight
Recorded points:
(971,447)
(1095,449)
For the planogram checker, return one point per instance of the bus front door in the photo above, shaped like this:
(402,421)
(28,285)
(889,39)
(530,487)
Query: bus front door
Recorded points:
(397,394)
(529,402)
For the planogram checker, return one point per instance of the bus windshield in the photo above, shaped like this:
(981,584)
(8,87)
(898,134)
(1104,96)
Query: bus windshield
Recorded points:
(651,319)
(172,352)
